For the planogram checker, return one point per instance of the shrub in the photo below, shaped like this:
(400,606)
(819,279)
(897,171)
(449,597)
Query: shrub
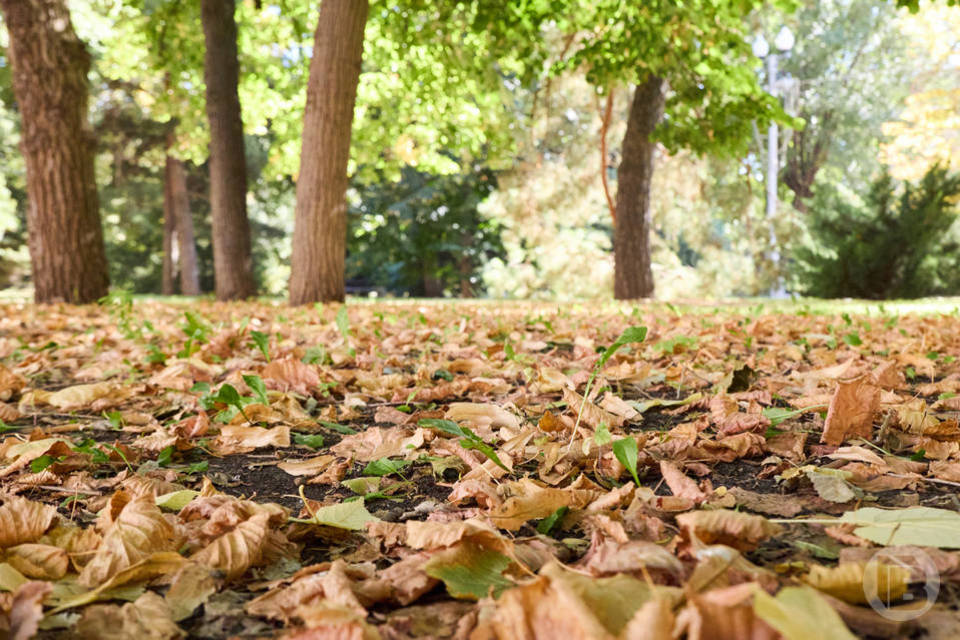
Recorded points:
(899,243)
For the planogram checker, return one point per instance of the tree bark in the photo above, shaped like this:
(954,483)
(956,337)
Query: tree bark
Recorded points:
(176,179)
(168,280)
(320,230)
(806,156)
(232,258)
(50,66)
(631,238)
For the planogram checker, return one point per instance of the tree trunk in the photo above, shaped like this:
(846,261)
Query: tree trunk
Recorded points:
(50,66)
(319,240)
(806,156)
(176,179)
(168,281)
(232,259)
(631,238)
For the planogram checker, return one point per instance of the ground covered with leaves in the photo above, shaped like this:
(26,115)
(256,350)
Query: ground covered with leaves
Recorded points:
(477,470)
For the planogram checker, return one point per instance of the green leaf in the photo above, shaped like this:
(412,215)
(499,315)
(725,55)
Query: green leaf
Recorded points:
(262,342)
(447,426)
(228,395)
(470,571)
(852,339)
(176,500)
(921,526)
(312,440)
(362,486)
(343,322)
(470,440)
(547,525)
(625,450)
(800,613)
(40,463)
(339,428)
(165,457)
(779,414)
(629,336)
(602,435)
(384,467)
(476,443)
(198,467)
(259,389)
(345,515)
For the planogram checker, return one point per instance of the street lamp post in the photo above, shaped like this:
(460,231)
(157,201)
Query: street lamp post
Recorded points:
(783,42)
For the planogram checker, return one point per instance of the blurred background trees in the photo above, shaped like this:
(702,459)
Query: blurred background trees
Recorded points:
(479,141)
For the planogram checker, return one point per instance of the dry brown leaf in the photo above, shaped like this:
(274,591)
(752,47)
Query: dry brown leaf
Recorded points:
(190,587)
(290,374)
(724,613)
(852,410)
(39,561)
(149,618)
(20,619)
(239,549)
(732,528)
(481,417)
(680,484)
(850,581)
(374,443)
(134,534)
(10,384)
(238,438)
(9,413)
(526,500)
(23,520)
(592,416)
(308,467)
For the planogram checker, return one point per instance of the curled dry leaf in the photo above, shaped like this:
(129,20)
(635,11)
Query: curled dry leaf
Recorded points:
(680,484)
(564,604)
(23,520)
(852,410)
(237,438)
(40,561)
(10,384)
(239,549)
(527,500)
(851,581)
(135,533)
(20,617)
(149,618)
(732,528)
(290,374)
(9,413)
(482,416)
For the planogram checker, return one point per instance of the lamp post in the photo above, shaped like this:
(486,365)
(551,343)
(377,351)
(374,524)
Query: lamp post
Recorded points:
(784,41)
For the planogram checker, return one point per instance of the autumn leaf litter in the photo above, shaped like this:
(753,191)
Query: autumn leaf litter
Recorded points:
(472,470)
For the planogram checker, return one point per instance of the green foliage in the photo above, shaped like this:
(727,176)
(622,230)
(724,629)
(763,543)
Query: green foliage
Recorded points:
(469,440)
(897,244)
(631,335)
(422,235)
(626,451)
(698,46)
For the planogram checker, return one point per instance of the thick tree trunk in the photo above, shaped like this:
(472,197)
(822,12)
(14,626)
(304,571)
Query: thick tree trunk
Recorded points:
(232,259)
(168,279)
(631,239)
(176,180)
(50,66)
(319,241)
